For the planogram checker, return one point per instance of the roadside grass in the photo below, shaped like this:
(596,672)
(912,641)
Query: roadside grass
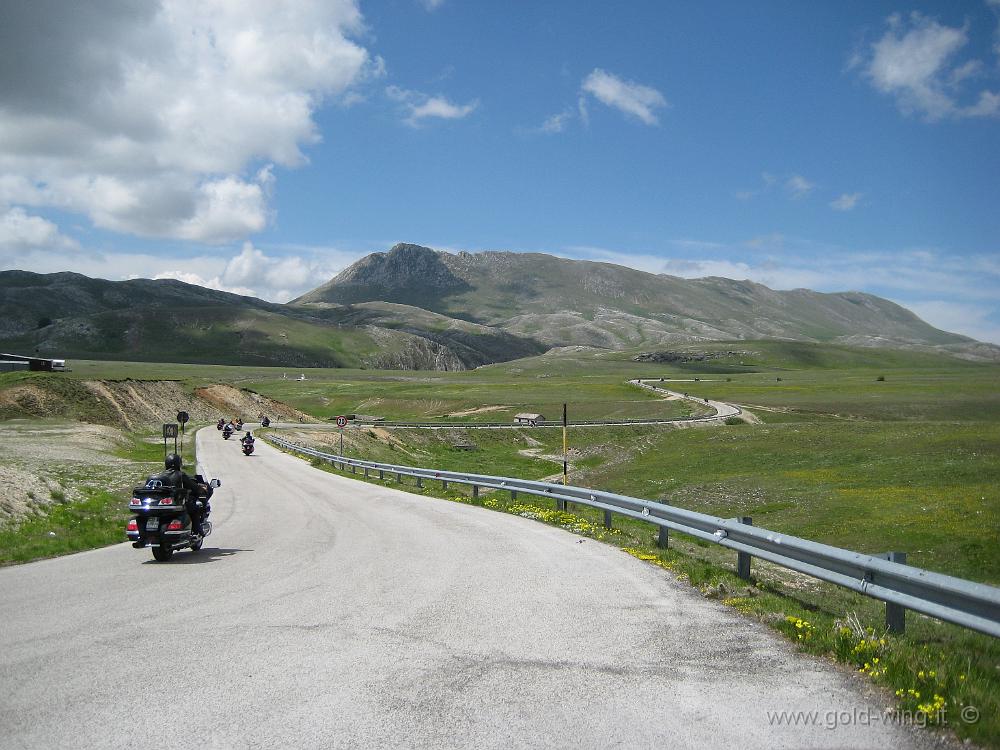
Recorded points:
(97,518)
(936,674)
(65,527)
(931,490)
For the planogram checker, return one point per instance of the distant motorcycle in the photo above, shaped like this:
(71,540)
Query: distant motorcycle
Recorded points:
(220,424)
(162,520)
(227,432)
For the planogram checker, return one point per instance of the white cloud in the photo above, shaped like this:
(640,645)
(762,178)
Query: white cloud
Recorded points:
(955,293)
(913,61)
(634,99)
(21,232)
(581,106)
(420,106)
(798,186)
(981,322)
(277,276)
(556,123)
(431,5)
(148,117)
(846,202)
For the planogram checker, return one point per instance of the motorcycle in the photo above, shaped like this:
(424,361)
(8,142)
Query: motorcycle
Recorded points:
(220,424)
(227,432)
(162,520)
(247,448)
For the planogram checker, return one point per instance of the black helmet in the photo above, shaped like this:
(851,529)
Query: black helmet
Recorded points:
(172,462)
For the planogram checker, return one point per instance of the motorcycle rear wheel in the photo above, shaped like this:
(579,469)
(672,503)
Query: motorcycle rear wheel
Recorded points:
(162,553)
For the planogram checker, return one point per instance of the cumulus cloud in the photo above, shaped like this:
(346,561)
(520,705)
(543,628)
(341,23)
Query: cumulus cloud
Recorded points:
(420,106)
(152,118)
(277,278)
(914,61)
(629,97)
(20,232)
(846,202)
(276,275)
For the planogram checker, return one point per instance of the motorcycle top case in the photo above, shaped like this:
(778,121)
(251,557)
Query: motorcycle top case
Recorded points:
(156,501)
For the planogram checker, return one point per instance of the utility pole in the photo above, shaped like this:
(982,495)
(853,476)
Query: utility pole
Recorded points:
(565,464)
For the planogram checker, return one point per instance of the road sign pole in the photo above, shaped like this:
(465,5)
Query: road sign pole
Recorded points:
(562,504)
(565,466)
(169,431)
(341,423)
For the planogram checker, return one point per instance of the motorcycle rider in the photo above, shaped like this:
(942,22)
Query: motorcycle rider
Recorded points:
(248,438)
(190,489)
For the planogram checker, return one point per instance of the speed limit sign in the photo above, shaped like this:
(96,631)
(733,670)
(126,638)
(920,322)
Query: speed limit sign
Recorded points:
(341,421)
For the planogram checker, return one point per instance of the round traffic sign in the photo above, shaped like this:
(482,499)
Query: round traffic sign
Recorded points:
(341,421)
(182,417)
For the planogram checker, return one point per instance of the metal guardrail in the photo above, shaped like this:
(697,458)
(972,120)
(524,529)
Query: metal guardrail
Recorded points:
(966,603)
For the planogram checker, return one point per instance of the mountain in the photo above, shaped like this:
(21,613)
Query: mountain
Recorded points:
(416,308)
(559,302)
(70,315)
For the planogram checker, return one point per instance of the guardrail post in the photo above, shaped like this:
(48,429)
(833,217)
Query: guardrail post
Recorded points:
(420,482)
(381,474)
(663,537)
(444,484)
(513,494)
(354,469)
(742,558)
(607,519)
(366,472)
(895,614)
(475,492)
(399,478)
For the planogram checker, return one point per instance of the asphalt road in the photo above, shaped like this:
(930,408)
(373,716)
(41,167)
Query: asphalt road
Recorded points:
(328,613)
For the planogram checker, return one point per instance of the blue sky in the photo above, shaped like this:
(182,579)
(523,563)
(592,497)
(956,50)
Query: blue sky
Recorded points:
(835,146)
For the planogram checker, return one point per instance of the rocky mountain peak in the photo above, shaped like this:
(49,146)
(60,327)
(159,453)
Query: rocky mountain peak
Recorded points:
(403,274)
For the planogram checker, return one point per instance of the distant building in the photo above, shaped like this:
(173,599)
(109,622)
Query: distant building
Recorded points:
(37,364)
(529,419)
